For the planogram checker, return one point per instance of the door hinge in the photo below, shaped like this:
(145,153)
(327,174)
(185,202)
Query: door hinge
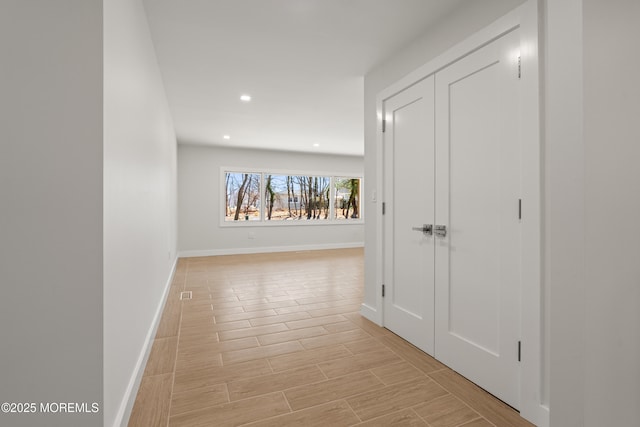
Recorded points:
(519,351)
(384,206)
(519,208)
(382,291)
(384,125)
(519,67)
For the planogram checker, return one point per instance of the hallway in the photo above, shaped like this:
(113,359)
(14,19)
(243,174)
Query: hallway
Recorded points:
(277,339)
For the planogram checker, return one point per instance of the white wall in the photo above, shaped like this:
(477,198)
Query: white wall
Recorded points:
(139,200)
(199,190)
(564,216)
(593,206)
(612,212)
(51,207)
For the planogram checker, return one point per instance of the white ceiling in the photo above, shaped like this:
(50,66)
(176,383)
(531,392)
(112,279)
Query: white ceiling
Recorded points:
(302,61)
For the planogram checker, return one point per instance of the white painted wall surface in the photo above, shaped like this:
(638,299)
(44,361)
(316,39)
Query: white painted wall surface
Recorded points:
(200,198)
(593,206)
(51,208)
(564,213)
(612,215)
(139,200)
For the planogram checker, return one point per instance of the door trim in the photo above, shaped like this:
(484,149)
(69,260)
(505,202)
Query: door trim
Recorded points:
(525,17)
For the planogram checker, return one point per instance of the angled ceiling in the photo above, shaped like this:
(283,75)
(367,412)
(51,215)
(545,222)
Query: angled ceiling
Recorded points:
(302,61)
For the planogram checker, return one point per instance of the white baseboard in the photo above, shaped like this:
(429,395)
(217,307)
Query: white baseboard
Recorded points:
(129,398)
(543,414)
(370,313)
(268,249)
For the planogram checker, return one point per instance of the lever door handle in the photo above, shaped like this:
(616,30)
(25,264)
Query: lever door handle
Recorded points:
(440,230)
(426,229)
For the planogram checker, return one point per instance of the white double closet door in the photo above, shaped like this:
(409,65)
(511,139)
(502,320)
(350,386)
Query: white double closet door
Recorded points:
(452,239)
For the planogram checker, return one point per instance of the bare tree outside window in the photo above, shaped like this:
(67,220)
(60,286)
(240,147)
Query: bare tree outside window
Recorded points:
(242,196)
(347,198)
(292,197)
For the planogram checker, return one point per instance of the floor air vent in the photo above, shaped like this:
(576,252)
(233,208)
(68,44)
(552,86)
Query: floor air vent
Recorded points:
(186,295)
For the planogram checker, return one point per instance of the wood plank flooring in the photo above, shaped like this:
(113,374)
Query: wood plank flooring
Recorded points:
(277,340)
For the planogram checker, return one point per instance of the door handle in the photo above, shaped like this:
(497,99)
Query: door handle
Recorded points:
(440,230)
(426,229)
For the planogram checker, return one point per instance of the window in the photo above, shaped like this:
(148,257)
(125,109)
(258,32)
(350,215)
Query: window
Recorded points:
(347,198)
(295,197)
(265,197)
(242,201)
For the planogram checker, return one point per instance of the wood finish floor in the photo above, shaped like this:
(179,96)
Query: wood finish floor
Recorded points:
(277,340)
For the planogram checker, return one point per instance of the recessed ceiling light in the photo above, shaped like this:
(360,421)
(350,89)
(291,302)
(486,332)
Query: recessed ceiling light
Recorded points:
(316,145)
(245,98)
(226,137)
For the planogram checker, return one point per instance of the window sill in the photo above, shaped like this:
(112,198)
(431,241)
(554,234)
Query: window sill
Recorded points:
(290,223)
